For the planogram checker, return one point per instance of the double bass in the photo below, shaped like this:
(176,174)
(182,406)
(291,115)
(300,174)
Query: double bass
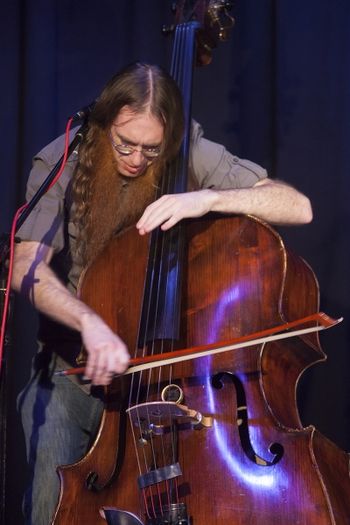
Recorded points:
(215,439)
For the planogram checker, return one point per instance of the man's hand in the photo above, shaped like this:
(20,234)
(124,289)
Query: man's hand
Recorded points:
(107,354)
(170,209)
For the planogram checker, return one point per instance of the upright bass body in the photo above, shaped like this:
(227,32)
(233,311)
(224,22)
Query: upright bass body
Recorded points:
(218,439)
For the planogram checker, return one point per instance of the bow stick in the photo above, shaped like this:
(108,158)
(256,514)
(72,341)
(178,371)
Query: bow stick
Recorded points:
(139,364)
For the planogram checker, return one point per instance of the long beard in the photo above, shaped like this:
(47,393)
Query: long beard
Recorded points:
(117,201)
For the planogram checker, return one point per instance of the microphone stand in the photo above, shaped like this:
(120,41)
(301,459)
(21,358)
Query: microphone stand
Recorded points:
(4,252)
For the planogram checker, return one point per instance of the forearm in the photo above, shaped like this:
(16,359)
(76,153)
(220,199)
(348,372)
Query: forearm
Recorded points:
(272,201)
(35,280)
(107,354)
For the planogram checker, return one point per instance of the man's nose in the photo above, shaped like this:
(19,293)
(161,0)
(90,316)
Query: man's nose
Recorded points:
(137,156)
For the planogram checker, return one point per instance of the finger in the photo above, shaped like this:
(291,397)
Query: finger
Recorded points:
(99,376)
(154,219)
(146,214)
(155,209)
(100,366)
(117,363)
(157,219)
(90,365)
(104,378)
(170,223)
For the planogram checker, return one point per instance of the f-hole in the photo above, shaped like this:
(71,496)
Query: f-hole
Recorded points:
(276,449)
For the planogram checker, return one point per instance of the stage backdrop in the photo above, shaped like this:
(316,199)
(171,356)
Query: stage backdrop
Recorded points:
(277,93)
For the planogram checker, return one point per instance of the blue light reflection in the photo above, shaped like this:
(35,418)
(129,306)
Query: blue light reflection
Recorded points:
(244,473)
(227,298)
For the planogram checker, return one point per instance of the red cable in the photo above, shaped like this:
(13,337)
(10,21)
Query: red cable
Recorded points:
(65,154)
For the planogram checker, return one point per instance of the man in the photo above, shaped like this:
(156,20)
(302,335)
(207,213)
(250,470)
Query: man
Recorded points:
(135,128)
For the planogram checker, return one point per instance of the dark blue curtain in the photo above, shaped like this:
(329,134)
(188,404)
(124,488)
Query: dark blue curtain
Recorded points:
(278,93)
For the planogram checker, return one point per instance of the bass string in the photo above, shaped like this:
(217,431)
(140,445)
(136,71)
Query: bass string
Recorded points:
(160,448)
(153,449)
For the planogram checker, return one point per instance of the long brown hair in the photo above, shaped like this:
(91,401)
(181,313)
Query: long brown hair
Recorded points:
(141,87)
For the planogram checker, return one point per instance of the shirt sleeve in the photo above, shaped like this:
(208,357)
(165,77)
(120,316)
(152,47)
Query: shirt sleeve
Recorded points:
(45,223)
(212,166)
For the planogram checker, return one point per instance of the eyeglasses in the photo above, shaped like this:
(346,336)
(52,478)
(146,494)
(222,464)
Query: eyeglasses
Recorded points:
(149,152)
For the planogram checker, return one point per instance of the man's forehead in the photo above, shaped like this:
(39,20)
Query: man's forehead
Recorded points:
(139,127)
(126,114)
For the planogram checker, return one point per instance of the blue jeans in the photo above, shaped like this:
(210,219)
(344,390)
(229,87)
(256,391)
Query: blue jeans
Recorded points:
(59,421)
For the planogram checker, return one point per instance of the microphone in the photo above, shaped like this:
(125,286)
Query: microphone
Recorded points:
(83,112)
